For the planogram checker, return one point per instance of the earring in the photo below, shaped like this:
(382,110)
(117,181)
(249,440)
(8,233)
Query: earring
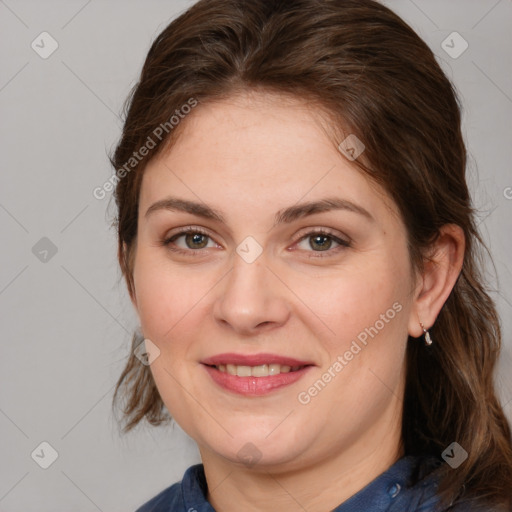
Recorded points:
(428,339)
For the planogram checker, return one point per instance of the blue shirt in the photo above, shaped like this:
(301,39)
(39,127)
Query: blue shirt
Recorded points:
(392,491)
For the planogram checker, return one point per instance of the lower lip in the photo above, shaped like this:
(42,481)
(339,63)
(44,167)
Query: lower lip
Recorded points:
(254,386)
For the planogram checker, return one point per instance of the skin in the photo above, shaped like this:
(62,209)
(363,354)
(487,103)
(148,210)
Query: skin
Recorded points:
(249,157)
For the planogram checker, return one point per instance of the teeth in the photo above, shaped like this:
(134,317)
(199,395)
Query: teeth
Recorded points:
(274,369)
(260,371)
(243,371)
(263,370)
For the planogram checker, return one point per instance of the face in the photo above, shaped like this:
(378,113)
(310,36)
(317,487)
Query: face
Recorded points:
(281,327)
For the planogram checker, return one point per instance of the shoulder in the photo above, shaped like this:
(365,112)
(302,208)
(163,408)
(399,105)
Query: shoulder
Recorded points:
(420,491)
(181,496)
(169,500)
(423,493)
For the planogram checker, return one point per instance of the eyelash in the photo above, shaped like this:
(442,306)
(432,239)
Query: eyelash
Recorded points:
(166,242)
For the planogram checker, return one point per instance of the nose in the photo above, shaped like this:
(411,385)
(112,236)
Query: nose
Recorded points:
(252,299)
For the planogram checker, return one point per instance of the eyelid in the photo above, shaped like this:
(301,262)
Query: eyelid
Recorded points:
(178,232)
(319,230)
(343,241)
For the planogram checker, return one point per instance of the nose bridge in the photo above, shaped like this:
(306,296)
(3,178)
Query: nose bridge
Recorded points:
(251,297)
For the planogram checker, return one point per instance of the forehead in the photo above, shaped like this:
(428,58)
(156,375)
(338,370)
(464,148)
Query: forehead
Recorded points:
(257,149)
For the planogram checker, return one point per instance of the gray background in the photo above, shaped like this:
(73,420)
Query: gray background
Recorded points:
(66,317)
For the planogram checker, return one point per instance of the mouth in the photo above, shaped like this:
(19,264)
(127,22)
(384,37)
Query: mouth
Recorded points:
(254,375)
(263,370)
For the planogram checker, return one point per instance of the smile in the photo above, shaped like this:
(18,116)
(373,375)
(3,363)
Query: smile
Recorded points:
(263,370)
(254,375)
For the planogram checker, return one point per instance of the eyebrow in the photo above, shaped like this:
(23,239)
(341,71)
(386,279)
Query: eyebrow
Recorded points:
(286,215)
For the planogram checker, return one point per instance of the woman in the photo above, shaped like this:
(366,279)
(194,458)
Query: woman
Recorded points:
(298,241)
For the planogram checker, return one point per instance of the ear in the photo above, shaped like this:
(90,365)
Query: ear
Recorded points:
(438,278)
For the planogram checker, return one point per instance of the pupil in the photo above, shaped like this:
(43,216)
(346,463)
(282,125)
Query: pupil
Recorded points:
(196,239)
(324,238)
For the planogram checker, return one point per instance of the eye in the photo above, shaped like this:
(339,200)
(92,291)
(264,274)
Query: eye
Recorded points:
(322,241)
(189,241)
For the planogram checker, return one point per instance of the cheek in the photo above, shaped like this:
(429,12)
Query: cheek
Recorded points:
(366,311)
(367,315)
(168,301)
(354,299)
(165,296)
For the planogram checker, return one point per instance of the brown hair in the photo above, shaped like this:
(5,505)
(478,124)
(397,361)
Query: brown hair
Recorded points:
(373,75)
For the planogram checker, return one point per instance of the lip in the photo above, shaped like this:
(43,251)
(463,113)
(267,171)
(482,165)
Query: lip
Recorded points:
(254,386)
(254,360)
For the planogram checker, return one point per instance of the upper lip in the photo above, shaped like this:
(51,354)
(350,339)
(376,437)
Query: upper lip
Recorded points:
(253,360)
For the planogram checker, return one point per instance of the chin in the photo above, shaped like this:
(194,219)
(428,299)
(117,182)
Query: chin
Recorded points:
(256,449)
